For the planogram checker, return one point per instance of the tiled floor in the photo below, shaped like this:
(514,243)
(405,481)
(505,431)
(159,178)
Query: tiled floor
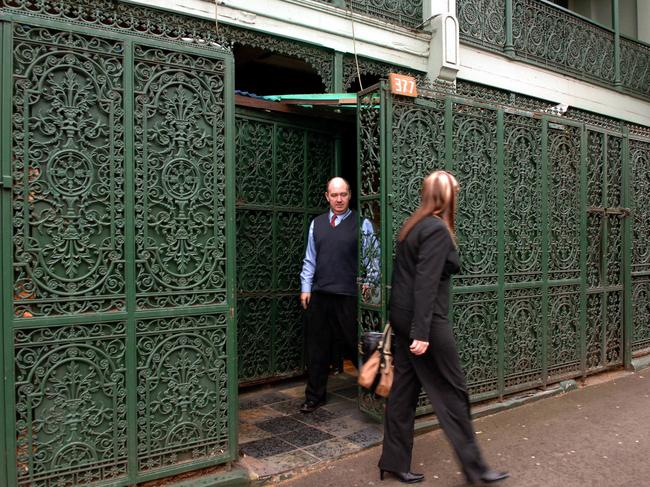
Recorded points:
(274,437)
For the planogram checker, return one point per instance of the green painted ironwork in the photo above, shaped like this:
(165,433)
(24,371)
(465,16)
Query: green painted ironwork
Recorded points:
(544,34)
(635,67)
(282,169)
(118,280)
(407,13)
(541,226)
(5,222)
(372,195)
(559,40)
(639,151)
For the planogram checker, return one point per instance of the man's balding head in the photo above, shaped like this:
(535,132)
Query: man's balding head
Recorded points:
(338,195)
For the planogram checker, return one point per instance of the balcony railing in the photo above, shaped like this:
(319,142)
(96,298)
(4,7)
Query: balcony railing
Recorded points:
(544,34)
(537,32)
(407,13)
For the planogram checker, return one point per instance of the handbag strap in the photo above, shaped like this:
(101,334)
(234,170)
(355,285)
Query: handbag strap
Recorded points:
(386,340)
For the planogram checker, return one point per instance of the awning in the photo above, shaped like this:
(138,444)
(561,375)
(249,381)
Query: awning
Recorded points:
(321,99)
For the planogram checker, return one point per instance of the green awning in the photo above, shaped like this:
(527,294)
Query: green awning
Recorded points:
(308,100)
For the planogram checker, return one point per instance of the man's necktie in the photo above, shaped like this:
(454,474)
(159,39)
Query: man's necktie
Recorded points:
(333,221)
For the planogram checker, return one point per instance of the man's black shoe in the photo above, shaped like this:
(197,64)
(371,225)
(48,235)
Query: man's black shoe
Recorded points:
(311,406)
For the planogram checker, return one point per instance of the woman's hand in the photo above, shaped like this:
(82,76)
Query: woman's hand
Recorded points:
(418,348)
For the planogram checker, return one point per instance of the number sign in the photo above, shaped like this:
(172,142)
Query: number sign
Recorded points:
(402,85)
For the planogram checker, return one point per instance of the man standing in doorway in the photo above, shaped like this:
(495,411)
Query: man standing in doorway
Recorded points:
(329,288)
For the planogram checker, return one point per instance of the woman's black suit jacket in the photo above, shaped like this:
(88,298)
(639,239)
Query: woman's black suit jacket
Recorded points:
(424,263)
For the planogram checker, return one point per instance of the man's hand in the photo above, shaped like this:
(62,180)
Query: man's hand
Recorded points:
(366,292)
(304,299)
(418,347)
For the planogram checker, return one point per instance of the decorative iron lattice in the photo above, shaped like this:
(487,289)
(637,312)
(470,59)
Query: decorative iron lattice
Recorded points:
(183,30)
(526,240)
(68,227)
(557,39)
(182,390)
(635,67)
(564,332)
(372,206)
(71,424)
(482,22)
(543,34)
(369,67)
(407,13)
(564,202)
(179,147)
(640,189)
(118,207)
(474,164)
(281,174)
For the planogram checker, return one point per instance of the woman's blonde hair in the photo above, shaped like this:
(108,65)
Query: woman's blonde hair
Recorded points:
(438,198)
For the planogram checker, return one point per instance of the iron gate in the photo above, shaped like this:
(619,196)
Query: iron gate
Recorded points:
(540,297)
(117,237)
(639,150)
(283,165)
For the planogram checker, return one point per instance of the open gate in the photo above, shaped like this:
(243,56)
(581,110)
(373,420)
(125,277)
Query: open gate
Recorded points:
(117,246)
(542,227)
(283,165)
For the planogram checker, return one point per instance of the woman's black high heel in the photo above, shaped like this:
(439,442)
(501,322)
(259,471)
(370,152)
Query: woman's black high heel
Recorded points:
(406,477)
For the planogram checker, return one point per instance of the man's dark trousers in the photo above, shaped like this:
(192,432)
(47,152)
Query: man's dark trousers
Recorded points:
(329,316)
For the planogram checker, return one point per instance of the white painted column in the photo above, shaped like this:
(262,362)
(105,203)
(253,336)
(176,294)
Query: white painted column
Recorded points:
(440,19)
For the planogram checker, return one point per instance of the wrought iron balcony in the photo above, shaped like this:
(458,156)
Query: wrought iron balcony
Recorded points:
(407,13)
(547,35)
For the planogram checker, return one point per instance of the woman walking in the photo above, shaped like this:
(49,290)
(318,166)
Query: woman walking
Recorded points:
(425,349)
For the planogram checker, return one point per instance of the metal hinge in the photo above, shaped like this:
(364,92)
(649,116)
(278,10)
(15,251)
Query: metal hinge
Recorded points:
(617,211)
(5,182)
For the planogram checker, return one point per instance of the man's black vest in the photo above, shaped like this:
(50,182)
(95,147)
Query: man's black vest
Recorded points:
(336,255)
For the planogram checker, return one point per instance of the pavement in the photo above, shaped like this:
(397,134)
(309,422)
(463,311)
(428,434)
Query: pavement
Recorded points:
(596,435)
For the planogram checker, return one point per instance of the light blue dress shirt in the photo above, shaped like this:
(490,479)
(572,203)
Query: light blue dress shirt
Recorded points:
(368,240)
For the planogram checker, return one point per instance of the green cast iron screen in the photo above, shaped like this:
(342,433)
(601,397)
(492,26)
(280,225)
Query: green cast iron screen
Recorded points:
(542,224)
(640,189)
(282,168)
(117,232)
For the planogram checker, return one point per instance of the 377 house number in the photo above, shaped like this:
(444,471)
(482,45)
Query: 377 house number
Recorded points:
(402,85)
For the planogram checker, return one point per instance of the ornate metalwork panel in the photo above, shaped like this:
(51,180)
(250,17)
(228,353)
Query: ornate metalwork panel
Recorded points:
(541,33)
(605,317)
(523,338)
(353,68)
(523,251)
(640,192)
(551,37)
(407,13)
(117,289)
(372,170)
(418,137)
(635,67)
(482,22)
(540,296)
(179,126)
(68,231)
(523,206)
(282,170)
(475,166)
(71,415)
(182,369)
(564,202)
(564,331)
(475,319)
